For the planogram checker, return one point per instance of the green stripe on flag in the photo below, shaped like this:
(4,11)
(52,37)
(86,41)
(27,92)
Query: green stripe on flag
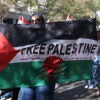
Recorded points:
(33,74)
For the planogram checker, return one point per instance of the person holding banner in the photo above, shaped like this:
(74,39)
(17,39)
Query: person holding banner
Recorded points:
(45,92)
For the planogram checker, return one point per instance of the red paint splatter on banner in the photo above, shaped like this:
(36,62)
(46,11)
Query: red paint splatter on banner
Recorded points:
(51,63)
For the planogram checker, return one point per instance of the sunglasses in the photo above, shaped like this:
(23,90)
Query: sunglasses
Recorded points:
(35,21)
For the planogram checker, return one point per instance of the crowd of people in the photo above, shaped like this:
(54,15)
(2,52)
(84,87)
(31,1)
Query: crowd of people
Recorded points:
(46,92)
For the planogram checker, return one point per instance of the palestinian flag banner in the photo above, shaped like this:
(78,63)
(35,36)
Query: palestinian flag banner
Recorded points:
(34,55)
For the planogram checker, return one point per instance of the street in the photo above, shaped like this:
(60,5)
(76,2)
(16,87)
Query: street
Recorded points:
(75,91)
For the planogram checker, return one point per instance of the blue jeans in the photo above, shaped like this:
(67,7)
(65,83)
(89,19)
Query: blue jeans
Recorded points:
(45,92)
(6,95)
(88,82)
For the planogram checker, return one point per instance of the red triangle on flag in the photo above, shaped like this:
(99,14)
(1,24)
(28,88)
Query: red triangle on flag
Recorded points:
(7,52)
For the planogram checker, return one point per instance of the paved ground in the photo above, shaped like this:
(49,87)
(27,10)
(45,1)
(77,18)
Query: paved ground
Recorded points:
(75,91)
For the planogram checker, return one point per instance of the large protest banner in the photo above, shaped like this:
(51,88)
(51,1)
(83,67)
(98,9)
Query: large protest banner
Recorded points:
(31,55)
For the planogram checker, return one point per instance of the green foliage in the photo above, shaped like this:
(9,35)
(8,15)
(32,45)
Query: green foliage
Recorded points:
(55,10)
(59,9)
(4,8)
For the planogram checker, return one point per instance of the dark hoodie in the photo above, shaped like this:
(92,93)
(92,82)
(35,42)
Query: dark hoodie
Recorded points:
(40,16)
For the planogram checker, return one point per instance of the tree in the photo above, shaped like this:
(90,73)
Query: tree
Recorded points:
(55,10)
(59,9)
(4,8)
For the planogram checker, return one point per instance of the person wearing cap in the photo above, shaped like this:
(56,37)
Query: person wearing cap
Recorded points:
(45,92)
